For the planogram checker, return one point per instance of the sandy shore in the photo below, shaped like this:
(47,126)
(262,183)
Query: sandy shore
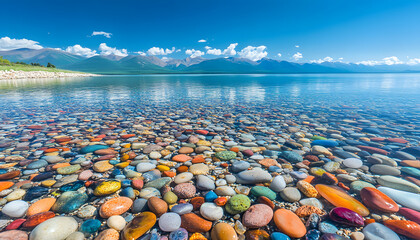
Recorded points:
(11,74)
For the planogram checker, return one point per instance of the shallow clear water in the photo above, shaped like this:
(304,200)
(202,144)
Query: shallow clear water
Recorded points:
(379,92)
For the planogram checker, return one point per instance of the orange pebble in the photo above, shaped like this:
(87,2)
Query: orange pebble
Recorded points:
(198,159)
(220,201)
(182,168)
(59,165)
(169,174)
(369,221)
(49,150)
(5,185)
(225,165)
(340,184)
(40,206)
(309,179)
(234,149)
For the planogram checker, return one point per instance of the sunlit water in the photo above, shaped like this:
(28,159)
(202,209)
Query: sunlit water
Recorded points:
(382,93)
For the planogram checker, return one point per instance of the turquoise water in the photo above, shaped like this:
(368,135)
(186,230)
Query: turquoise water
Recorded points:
(379,92)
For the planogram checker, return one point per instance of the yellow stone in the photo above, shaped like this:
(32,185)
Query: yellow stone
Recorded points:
(122,165)
(165,152)
(163,168)
(48,183)
(138,226)
(52,154)
(204,143)
(109,142)
(102,166)
(128,145)
(106,188)
(125,157)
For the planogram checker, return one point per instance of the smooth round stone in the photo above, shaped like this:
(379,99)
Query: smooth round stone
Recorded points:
(259,191)
(144,167)
(106,188)
(15,209)
(258,215)
(69,201)
(290,194)
(15,195)
(289,223)
(230,179)
(108,234)
(311,202)
(90,226)
(340,198)
(115,206)
(398,183)
(346,216)
(223,231)
(307,189)
(155,155)
(384,170)
(278,184)
(279,236)
(211,211)
(42,205)
(86,211)
(357,186)
(226,155)
(139,226)
(407,228)
(325,143)
(116,222)
(157,206)
(199,168)
(185,190)
(256,175)
(52,159)
(407,199)
(170,197)
(353,163)
(331,166)
(159,183)
(169,222)
(76,236)
(210,196)
(377,231)
(410,214)
(238,204)
(292,157)
(139,205)
(298,175)
(327,227)
(225,191)
(240,166)
(56,228)
(182,208)
(411,171)
(37,164)
(194,223)
(375,199)
(205,183)
(183,177)
(180,234)
(68,170)
(14,235)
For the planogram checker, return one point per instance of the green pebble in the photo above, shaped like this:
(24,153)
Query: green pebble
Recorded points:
(68,170)
(238,204)
(226,155)
(357,186)
(170,197)
(259,191)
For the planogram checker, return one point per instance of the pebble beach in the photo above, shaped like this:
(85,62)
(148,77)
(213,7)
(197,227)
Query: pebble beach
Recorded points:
(277,168)
(12,74)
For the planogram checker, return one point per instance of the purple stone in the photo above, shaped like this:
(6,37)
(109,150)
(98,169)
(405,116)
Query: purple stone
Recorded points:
(332,236)
(347,217)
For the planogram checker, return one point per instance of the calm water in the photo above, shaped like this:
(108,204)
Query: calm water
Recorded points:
(379,92)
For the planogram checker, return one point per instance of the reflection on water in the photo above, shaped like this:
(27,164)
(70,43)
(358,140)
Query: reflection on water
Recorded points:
(388,90)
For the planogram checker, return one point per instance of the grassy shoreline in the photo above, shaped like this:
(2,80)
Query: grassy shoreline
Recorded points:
(30,68)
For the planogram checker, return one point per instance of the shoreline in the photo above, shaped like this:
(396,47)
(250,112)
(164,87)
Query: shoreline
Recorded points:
(12,74)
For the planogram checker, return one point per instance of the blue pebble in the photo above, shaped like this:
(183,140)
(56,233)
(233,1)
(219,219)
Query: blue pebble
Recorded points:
(210,196)
(126,183)
(90,226)
(128,192)
(327,227)
(3,171)
(325,143)
(113,162)
(279,236)
(116,172)
(180,234)
(274,169)
(78,160)
(120,177)
(133,168)
(313,234)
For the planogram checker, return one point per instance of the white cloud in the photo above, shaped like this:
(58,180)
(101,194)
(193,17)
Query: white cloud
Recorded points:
(141,53)
(202,40)
(393,60)
(297,56)
(101,33)
(213,51)
(105,50)
(7,44)
(279,54)
(325,59)
(194,53)
(297,46)
(253,53)
(413,61)
(81,51)
(230,50)
(160,51)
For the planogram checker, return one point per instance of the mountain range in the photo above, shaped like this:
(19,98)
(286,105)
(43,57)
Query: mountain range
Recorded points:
(136,64)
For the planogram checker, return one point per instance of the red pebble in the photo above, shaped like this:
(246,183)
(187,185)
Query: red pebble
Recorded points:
(15,224)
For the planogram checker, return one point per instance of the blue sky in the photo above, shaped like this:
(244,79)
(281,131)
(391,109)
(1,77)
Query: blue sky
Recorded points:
(351,31)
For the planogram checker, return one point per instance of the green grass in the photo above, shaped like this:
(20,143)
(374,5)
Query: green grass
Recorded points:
(29,68)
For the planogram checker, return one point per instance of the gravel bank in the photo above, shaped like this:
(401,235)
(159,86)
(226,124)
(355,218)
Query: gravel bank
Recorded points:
(11,74)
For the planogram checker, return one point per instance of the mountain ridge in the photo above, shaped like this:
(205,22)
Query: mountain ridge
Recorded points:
(137,64)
